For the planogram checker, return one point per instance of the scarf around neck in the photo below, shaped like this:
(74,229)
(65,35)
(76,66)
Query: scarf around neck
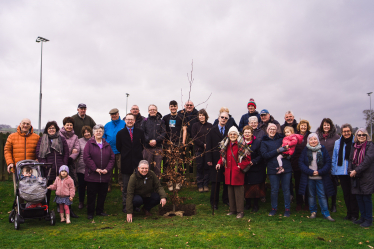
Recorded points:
(359,153)
(243,149)
(45,145)
(348,146)
(319,155)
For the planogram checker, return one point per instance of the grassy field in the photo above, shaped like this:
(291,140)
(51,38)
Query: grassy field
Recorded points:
(200,231)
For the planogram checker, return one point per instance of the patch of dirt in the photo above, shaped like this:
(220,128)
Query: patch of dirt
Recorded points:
(189,209)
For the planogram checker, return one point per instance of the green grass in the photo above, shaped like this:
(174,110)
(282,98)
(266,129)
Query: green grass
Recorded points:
(200,231)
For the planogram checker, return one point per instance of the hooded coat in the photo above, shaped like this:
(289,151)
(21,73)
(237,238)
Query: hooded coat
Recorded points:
(329,141)
(72,141)
(110,132)
(324,172)
(96,158)
(20,146)
(292,140)
(364,171)
(154,129)
(244,119)
(54,157)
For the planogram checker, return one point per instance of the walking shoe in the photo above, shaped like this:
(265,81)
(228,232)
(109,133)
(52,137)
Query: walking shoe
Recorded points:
(348,217)
(360,221)
(313,215)
(287,213)
(90,216)
(273,212)
(231,213)
(240,215)
(178,186)
(227,203)
(206,189)
(329,218)
(170,186)
(255,209)
(366,223)
(72,214)
(354,219)
(201,190)
(102,214)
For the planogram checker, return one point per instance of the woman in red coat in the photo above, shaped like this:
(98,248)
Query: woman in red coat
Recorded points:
(235,156)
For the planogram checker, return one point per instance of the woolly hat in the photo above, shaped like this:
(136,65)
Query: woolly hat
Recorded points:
(312,135)
(270,125)
(63,167)
(252,102)
(233,129)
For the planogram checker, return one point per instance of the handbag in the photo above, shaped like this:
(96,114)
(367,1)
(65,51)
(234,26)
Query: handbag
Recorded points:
(245,170)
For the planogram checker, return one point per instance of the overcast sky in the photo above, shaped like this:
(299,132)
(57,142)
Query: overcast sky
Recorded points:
(312,57)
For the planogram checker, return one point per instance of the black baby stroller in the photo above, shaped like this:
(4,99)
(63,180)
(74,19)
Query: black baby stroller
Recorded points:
(30,200)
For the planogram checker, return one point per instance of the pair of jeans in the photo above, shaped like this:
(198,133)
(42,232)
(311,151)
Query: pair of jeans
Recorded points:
(99,189)
(316,189)
(148,202)
(202,176)
(81,187)
(366,206)
(284,178)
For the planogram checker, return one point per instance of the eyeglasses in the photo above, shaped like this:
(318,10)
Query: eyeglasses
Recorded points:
(189,105)
(152,110)
(347,132)
(224,117)
(361,135)
(272,129)
(134,109)
(51,128)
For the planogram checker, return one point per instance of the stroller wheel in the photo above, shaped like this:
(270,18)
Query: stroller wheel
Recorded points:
(11,216)
(53,218)
(16,222)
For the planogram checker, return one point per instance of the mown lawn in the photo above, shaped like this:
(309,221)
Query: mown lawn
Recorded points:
(200,231)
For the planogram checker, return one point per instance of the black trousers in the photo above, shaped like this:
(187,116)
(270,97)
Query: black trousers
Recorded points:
(202,176)
(349,199)
(81,187)
(99,189)
(214,192)
(148,202)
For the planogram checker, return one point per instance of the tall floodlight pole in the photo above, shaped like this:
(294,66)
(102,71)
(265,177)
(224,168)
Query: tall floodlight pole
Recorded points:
(127,98)
(41,40)
(371,125)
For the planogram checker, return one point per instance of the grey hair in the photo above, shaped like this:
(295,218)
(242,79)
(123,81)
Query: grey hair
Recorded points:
(143,162)
(98,126)
(313,135)
(254,118)
(347,126)
(153,105)
(363,130)
(223,112)
(289,112)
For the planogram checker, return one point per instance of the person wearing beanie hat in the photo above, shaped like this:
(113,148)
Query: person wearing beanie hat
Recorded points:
(251,106)
(235,157)
(267,119)
(315,166)
(65,192)
(270,148)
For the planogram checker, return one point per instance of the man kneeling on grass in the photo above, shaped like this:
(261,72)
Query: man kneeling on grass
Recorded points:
(144,188)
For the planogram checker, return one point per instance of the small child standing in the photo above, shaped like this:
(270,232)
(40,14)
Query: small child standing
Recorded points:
(288,144)
(65,191)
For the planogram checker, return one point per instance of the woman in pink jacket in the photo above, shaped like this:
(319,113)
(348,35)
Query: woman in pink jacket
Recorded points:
(65,192)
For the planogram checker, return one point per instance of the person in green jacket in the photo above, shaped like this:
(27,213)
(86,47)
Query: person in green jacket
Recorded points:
(144,188)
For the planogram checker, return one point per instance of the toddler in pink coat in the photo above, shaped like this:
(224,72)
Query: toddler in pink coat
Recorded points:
(289,143)
(65,191)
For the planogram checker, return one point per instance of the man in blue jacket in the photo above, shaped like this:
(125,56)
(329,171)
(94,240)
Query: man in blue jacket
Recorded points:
(251,106)
(110,132)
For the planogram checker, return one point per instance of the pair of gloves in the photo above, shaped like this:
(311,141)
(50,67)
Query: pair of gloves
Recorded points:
(282,149)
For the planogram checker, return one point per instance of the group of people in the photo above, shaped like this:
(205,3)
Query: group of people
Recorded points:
(239,156)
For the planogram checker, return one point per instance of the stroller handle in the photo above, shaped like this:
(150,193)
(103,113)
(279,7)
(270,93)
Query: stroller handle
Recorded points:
(45,165)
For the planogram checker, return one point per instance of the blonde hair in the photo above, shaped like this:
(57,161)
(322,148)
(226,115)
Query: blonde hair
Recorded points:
(224,109)
(289,128)
(303,121)
(363,130)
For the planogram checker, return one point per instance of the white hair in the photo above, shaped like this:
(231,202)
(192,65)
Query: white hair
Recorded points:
(253,119)
(143,162)
(289,112)
(153,105)
(98,126)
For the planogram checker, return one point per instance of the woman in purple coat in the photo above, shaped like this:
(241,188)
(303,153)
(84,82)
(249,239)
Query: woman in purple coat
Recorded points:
(52,148)
(99,159)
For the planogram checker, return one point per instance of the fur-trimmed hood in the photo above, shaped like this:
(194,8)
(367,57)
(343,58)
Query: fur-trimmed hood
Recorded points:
(332,132)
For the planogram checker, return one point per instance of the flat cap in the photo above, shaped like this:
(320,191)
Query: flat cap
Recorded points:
(113,111)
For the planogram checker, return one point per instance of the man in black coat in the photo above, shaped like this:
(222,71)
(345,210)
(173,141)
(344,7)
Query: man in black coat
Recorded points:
(212,155)
(289,121)
(129,142)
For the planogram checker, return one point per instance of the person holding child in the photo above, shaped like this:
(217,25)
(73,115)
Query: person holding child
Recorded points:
(65,192)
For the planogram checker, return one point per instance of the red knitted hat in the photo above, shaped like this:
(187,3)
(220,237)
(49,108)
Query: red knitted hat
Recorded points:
(252,102)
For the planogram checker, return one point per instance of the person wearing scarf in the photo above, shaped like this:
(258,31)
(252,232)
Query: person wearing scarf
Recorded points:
(339,168)
(315,165)
(52,148)
(254,182)
(327,136)
(361,170)
(235,157)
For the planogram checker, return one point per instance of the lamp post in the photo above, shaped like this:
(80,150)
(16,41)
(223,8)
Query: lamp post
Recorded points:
(41,40)
(127,98)
(371,125)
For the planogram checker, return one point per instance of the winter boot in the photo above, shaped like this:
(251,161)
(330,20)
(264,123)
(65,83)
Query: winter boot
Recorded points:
(68,219)
(62,216)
